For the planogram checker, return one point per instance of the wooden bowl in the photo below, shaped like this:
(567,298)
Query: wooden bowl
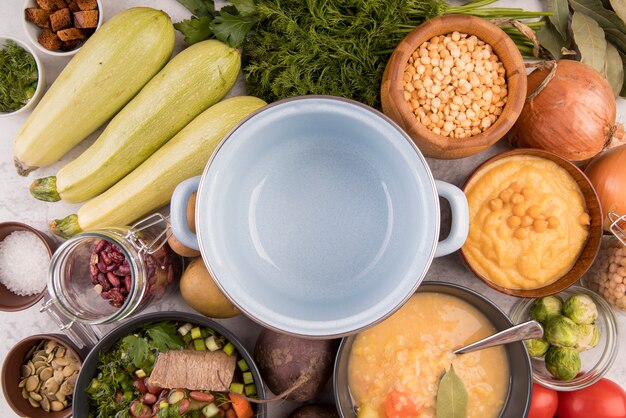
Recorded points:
(591,246)
(11,372)
(397,108)
(9,301)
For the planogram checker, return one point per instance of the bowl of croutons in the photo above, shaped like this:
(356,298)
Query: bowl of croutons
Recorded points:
(61,27)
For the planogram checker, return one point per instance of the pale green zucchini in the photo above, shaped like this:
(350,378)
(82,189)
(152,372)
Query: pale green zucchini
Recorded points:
(150,186)
(108,71)
(193,80)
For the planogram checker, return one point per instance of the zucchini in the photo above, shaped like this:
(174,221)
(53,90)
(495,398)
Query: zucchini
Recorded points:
(106,73)
(150,186)
(193,80)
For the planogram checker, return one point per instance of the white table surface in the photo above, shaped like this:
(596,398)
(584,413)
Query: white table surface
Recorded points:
(16,204)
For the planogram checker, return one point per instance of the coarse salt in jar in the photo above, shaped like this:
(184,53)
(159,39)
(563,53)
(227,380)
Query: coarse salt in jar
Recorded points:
(105,275)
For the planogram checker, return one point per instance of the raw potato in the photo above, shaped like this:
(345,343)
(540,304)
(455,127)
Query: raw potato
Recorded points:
(286,361)
(315,411)
(202,294)
(175,244)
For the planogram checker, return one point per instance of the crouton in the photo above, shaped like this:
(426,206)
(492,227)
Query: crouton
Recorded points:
(87,4)
(61,19)
(86,19)
(51,5)
(39,17)
(70,34)
(73,6)
(71,45)
(49,40)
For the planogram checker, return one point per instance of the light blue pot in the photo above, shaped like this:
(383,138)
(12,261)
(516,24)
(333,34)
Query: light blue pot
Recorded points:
(318,216)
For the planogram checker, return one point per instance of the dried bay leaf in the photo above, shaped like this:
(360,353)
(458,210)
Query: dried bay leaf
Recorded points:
(619,6)
(551,40)
(623,92)
(593,8)
(560,16)
(614,69)
(451,396)
(589,38)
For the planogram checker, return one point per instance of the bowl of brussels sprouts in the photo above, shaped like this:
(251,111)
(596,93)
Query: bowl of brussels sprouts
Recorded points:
(580,339)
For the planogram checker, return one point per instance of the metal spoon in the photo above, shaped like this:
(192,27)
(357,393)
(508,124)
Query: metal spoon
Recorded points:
(524,331)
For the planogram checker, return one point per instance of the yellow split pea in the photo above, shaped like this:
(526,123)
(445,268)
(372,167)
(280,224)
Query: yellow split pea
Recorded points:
(455,85)
(528,222)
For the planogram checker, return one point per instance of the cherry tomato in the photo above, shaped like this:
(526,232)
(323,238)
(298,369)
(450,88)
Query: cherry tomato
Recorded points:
(603,399)
(543,403)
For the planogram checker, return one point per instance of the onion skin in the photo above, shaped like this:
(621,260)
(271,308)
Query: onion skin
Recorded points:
(573,116)
(607,173)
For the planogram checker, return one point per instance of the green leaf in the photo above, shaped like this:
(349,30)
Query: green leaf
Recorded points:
(244,7)
(623,92)
(164,336)
(195,29)
(199,7)
(619,6)
(551,39)
(136,348)
(589,38)
(451,396)
(593,8)
(560,16)
(231,27)
(614,69)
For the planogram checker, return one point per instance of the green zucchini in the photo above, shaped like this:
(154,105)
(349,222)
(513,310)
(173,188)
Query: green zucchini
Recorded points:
(193,80)
(150,186)
(107,72)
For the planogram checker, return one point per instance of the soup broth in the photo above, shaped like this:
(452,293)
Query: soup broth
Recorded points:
(398,363)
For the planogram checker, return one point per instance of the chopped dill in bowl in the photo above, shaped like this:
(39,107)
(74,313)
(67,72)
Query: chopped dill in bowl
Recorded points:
(18,77)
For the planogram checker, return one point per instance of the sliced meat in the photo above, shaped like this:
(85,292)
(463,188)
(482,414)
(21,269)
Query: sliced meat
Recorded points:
(194,370)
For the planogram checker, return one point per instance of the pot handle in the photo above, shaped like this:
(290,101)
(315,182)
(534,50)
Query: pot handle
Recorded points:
(460,218)
(178,212)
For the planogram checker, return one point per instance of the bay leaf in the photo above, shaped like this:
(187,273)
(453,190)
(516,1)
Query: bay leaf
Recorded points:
(594,8)
(451,396)
(589,38)
(551,40)
(623,92)
(619,6)
(614,69)
(560,15)
(617,38)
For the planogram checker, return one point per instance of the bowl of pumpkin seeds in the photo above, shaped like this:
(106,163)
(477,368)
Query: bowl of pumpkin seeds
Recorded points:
(38,376)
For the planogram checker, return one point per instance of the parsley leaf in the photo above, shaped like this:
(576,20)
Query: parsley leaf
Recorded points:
(199,7)
(164,336)
(195,29)
(231,27)
(136,347)
(244,7)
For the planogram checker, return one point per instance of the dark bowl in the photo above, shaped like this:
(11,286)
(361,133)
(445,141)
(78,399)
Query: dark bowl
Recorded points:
(9,301)
(517,402)
(88,369)
(11,376)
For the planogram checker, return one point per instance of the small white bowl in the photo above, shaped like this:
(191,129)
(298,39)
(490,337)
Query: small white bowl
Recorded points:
(41,79)
(33,31)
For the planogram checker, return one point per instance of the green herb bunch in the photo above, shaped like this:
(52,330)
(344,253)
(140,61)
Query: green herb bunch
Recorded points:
(18,77)
(336,47)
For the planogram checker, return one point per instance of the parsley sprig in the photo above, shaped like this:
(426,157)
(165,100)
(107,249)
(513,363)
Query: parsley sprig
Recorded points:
(18,77)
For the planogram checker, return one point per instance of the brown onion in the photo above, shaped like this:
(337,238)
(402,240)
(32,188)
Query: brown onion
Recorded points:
(607,173)
(573,115)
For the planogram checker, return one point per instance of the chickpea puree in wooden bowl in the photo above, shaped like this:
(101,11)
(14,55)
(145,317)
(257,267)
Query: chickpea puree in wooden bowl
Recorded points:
(535,223)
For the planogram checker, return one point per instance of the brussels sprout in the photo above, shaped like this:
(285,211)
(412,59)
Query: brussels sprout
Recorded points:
(561,331)
(537,347)
(588,337)
(546,307)
(581,309)
(563,362)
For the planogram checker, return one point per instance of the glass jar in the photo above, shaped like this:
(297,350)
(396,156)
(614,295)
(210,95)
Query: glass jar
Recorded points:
(607,275)
(105,275)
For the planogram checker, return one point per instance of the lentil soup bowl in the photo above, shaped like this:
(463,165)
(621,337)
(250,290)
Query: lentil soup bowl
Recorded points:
(318,216)
(469,99)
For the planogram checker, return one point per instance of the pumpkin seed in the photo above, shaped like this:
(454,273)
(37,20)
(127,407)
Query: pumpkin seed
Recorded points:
(33,402)
(60,396)
(45,404)
(46,373)
(51,387)
(50,345)
(66,388)
(32,383)
(60,352)
(36,396)
(56,406)
(24,393)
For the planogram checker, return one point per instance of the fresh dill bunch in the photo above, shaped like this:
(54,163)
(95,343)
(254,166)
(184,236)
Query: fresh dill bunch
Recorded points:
(18,77)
